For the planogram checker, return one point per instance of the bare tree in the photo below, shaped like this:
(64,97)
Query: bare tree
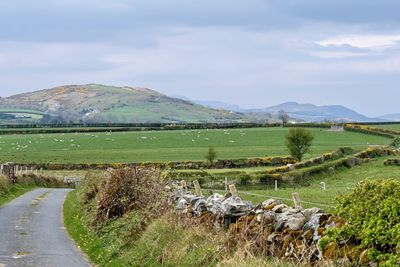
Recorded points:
(283,116)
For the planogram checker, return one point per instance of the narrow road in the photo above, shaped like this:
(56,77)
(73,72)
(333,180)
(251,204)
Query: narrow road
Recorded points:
(32,232)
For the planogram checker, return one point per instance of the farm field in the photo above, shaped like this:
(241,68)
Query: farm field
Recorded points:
(340,182)
(395,127)
(166,146)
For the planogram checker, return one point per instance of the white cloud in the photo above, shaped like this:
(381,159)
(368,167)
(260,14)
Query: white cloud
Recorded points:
(363,41)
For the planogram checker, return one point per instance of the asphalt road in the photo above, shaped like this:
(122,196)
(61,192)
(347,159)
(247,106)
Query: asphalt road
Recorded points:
(32,232)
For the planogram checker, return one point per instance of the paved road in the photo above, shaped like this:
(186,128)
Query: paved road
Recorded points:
(32,232)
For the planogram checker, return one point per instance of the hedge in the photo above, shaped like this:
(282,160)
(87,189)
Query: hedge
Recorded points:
(392,162)
(287,176)
(178,165)
(124,127)
(371,130)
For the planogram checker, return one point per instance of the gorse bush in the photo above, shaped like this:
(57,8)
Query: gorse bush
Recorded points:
(372,212)
(129,190)
(116,207)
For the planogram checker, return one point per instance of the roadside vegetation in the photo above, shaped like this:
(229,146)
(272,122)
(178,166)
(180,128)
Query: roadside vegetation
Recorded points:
(118,223)
(25,183)
(104,218)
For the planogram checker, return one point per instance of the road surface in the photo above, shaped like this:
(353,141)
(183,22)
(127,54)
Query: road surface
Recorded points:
(32,232)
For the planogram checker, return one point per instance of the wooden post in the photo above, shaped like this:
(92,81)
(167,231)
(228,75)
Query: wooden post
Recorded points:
(323,185)
(232,189)
(276,185)
(296,199)
(183,184)
(197,188)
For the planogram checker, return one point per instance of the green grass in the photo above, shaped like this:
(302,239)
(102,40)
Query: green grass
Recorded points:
(338,183)
(14,192)
(395,127)
(84,238)
(168,145)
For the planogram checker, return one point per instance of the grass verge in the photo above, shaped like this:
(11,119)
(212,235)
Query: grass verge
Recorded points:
(14,192)
(85,239)
(165,242)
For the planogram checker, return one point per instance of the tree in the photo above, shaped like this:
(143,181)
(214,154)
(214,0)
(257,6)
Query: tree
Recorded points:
(283,116)
(298,142)
(211,155)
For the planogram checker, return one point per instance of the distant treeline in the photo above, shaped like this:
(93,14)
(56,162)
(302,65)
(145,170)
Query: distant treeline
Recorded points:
(124,127)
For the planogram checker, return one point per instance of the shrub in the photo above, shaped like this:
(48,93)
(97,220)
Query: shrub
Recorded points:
(129,190)
(40,180)
(4,184)
(375,152)
(395,142)
(211,155)
(373,215)
(90,186)
(394,162)
(244,179)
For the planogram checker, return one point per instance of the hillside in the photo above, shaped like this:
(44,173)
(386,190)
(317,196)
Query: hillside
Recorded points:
(391,117)
(310,112)
(101,103)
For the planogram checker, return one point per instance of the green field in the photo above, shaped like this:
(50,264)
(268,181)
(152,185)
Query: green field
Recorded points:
(395,127)
(167,145)
(21,115)
(338,183)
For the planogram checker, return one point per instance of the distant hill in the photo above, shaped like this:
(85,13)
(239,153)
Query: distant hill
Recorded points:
(101,103)
(221,105)
(391,117)
(313,113)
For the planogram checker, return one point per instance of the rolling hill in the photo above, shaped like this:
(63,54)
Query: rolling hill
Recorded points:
(391,117)
(313,113)
(101,103)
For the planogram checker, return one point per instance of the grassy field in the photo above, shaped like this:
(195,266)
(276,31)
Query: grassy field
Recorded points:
(395,127)
(338,183)
(168,145)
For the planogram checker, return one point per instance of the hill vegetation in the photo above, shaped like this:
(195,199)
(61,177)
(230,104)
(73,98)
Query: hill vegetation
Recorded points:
(94,103)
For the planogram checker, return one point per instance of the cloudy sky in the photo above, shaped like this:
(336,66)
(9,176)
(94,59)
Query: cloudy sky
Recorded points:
(254,53)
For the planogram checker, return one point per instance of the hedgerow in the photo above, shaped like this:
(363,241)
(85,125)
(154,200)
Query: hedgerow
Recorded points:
(372,212)
(371,130)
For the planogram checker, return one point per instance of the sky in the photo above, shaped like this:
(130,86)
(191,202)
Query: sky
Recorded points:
(254,53)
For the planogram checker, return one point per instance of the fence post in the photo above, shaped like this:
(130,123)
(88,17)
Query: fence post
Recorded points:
(276,185)
(232,189)
(183,184)
(323,185)
(296,199)
(197,188)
